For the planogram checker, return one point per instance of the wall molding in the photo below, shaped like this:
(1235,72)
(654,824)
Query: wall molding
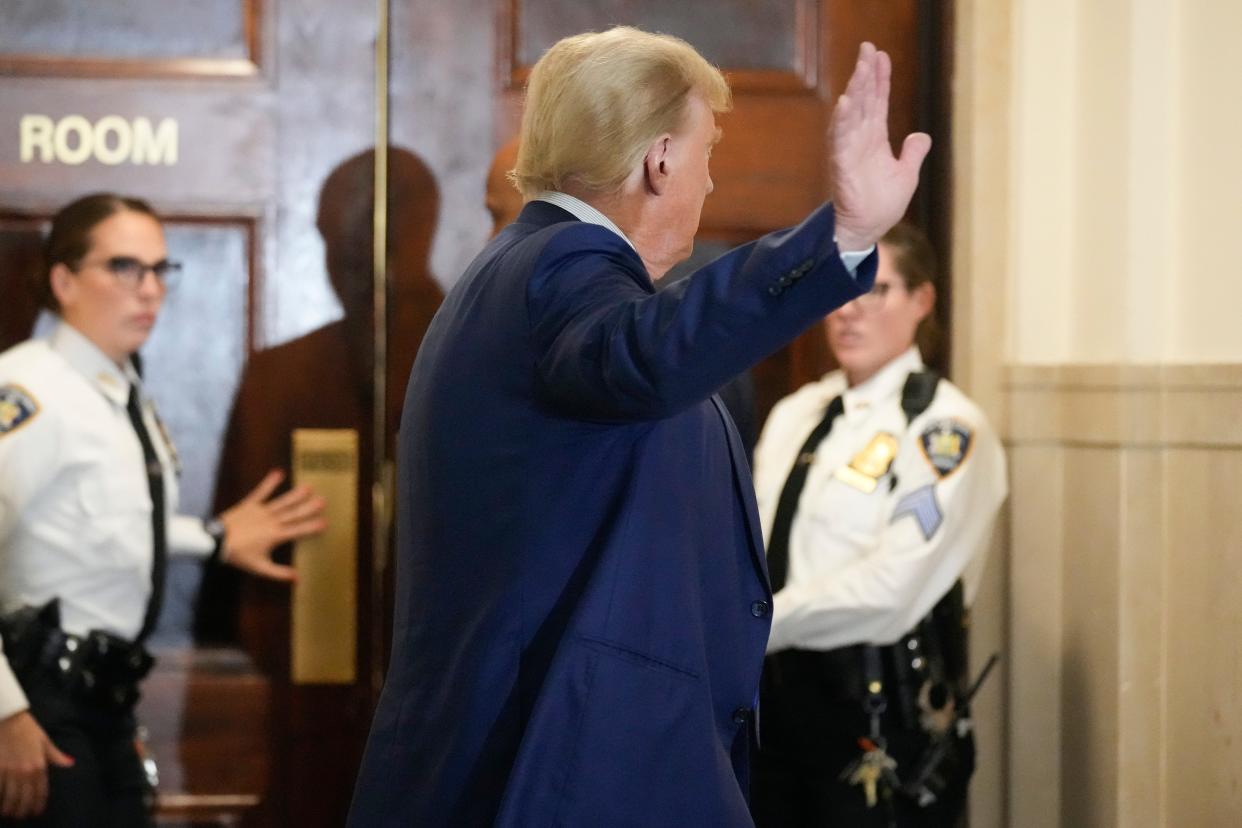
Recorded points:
(1117,405)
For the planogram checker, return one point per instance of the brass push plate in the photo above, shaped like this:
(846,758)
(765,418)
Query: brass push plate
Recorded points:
(325,597)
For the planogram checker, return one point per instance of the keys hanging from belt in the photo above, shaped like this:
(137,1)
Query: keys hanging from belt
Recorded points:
(870,769)
(875,765)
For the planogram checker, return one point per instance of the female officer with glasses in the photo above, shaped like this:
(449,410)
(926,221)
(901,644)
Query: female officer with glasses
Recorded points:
(877,487)
(88,518)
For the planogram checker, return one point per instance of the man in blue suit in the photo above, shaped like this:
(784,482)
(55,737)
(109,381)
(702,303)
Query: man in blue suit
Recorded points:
(582,602)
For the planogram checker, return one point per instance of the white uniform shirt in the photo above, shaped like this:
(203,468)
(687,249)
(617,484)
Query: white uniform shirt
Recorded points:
(865,567)
(75,507)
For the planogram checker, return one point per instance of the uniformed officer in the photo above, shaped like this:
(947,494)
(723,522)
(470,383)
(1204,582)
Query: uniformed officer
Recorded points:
(877,486)
(88,518)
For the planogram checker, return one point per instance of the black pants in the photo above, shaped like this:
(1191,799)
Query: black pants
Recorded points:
(106,785)
(811,720)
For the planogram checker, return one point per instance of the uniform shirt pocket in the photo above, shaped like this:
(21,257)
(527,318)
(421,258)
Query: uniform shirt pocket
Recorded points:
(839,527)
(117,515)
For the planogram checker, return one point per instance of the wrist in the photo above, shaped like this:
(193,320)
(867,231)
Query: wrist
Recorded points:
(11,719)
(216,529)
(849,243)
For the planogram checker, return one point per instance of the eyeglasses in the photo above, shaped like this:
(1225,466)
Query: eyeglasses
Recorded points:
(130,272)
(873,299)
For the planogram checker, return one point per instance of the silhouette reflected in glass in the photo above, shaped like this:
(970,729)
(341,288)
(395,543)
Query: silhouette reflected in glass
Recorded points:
(324,379)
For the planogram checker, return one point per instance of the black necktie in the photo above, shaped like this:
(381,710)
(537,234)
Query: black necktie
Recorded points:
(787,506)
(155,483)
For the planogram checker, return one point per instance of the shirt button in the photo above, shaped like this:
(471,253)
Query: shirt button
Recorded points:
(741,716)
(759,609)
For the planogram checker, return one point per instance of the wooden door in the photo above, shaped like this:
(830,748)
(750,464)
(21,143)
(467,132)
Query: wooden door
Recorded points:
(229,117)
(458,72)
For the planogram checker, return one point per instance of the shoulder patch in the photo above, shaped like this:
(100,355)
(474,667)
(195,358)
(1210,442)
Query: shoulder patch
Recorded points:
(17,407)
(945,445)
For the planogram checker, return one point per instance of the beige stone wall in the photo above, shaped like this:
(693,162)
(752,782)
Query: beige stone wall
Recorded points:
(1098,194)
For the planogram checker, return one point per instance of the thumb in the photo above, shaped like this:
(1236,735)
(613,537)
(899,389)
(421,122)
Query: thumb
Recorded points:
(54,755)
(914,149)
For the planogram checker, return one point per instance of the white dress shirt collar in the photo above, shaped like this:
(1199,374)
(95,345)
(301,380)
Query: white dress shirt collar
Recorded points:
(93,364)
(885,383)
(582,211)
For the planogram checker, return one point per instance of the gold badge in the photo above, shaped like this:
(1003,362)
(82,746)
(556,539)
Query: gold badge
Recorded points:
(870,464)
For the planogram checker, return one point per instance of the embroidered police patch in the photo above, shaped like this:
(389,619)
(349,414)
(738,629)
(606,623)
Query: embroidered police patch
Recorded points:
(16,407)
(945,444)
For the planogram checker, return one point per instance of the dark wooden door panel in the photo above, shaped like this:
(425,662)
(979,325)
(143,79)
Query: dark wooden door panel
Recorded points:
(228,116)
(787,61)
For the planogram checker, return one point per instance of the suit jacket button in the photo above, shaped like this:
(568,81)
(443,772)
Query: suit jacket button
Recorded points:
(759,609)
(741,716)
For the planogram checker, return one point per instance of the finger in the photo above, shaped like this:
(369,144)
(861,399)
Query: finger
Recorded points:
(8,801)
(913,150)
(302,511)
(858,78)
(36,795)
(294,531)
(265,568)
(12,788)
(54,755)
(298,512)
(26,796)
(301,529)
(266,486)
(291,499)
(867,81)
(871,107)
(884,83)
(843,114)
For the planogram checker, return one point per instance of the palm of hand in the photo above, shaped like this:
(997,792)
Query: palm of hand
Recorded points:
(871,186)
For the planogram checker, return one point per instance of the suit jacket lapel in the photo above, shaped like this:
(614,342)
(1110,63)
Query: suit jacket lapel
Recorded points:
(745,489)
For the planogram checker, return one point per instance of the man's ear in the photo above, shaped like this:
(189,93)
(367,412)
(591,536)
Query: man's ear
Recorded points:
(655,165)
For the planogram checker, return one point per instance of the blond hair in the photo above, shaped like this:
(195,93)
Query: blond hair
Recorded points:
(596,102)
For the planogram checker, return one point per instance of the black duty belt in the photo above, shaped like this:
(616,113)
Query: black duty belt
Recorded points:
(99,669)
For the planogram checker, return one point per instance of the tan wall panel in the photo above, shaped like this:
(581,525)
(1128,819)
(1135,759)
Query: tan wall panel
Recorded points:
(1205,416)
(1141,639)
(1090,654)
(988,635)
(1125,555)
(1035,632)
(1204,746)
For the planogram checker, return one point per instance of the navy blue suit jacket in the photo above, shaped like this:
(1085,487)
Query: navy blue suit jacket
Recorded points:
(582,601)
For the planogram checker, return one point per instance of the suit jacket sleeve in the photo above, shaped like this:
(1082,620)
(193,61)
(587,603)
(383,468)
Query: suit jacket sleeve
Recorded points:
(607,346)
